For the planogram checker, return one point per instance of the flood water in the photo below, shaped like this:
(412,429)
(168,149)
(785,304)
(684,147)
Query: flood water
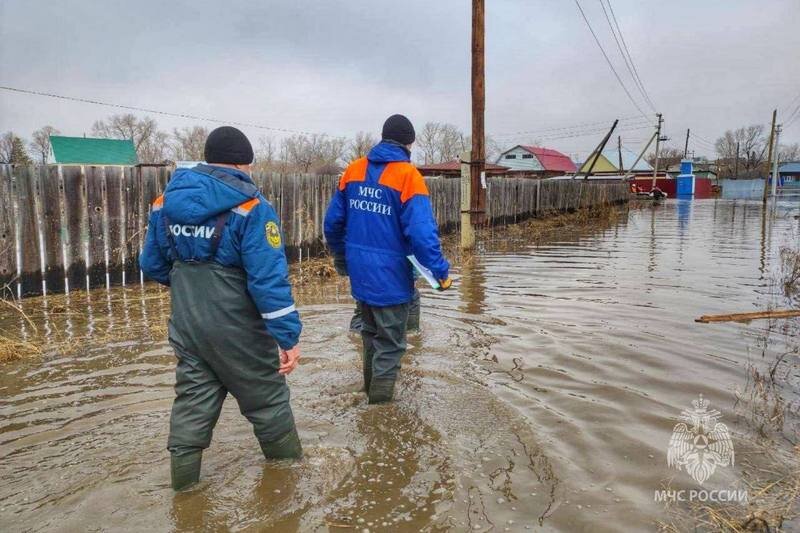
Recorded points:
(541,393)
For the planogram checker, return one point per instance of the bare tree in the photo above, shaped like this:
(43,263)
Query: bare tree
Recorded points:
(317,153)
(360,145)
(155,149)
(493,148)
(40,145)
(788,152)
(189,143)
(667,156)
(427,142)
(752,145)
(6,146)
(440,143)
(451,143)
(12,150)
(265,155)
(266,149)
(150,143)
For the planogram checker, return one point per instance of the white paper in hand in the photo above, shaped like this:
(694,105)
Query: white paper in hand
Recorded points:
(424,272)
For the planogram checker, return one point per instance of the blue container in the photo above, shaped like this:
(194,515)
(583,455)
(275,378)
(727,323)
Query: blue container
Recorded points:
(686,166)
(685,185)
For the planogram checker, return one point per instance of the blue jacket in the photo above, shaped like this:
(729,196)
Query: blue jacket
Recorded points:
(250,240)
(381,213)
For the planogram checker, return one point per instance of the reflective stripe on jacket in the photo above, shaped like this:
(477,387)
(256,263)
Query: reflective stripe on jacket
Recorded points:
(250,240)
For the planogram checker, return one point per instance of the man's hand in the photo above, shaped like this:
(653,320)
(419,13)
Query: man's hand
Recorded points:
(445,284)
(289,359)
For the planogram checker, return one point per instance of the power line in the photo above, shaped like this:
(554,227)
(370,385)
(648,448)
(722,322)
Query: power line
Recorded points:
(585,133)
(793,116)
(632,118)
(624,57)
(611,66)
(630,58)
(790,104)
(154,111)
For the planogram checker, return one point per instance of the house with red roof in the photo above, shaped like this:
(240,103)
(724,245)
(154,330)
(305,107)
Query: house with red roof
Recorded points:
(535,161)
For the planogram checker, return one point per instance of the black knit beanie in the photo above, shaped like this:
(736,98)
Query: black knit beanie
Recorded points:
(228,145)
(398,128)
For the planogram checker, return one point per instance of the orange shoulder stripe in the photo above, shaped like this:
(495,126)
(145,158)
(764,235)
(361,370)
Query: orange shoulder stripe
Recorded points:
(245,207)
(404,178)
(158,203)
(355,171)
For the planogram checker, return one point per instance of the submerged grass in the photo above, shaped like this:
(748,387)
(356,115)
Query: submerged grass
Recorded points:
(767,405)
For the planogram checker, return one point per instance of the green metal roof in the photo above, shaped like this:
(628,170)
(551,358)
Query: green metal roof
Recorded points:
(88,151)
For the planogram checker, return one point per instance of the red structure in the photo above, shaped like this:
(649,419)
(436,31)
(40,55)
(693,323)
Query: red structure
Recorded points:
(702,186)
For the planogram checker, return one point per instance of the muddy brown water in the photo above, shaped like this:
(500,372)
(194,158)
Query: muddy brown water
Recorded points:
(540,394)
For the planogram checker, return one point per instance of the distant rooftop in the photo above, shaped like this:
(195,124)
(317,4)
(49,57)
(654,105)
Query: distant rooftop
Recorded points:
(792,167)
(551,159)
(91,151)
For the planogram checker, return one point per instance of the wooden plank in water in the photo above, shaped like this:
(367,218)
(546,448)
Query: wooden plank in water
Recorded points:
(115,223)
(8,237)
(31,264)
(74,179)
(95,204)
(745,317)
(52,228)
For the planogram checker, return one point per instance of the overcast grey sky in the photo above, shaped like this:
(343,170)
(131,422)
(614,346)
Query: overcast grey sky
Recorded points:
(338,67)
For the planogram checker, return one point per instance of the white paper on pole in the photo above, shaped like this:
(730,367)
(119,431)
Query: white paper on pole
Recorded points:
(424,272)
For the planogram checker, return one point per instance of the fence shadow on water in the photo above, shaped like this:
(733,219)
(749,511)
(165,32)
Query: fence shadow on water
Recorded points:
(68,228)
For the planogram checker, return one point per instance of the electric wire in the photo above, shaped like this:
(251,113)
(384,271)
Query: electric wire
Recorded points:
(633,118)
(608,61)
(625,58)
(156,111)
(630,58)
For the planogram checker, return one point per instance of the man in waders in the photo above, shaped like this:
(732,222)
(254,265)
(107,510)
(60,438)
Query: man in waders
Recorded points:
(215,241)
(379,215)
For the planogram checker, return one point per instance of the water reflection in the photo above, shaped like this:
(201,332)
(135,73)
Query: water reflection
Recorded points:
(543,391)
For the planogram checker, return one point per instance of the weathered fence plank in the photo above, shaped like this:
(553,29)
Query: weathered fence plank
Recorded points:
(28,230)
(133,223)
(95,204)
(115,223)
(51,228)
(74,180)
(8,237)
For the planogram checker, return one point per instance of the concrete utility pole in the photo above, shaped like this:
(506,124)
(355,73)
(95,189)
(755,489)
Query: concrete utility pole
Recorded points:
(686,146)
(477,163)
(658,147)
(769,156)
(736,163)
(775,163)
(619,153)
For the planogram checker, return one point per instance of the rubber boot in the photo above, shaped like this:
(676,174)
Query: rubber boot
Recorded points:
(367,369)
(381,391)
(185,469)
(286,446)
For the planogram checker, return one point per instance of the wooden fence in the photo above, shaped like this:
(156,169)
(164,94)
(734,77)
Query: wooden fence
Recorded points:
(78,227)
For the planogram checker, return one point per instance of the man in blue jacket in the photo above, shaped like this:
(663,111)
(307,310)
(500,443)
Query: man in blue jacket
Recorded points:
(215,241)
(379,215)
